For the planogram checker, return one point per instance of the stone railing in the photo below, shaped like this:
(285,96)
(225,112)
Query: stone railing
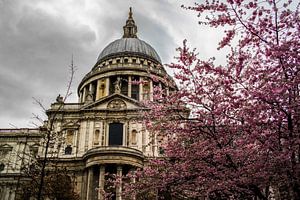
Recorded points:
(19,130)
(114,154)
(66,106)
(159,71)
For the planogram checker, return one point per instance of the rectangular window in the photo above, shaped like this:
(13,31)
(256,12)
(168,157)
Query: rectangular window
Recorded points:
(115,134)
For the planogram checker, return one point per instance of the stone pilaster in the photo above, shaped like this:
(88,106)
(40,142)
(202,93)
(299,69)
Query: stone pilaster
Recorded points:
(151,90)
(141,92)
(90,184)
(132,180)
(84,184)
(84,94)
(107,87)
(90,87)
(101,182)
(129,86)
(98,89)
(119,187)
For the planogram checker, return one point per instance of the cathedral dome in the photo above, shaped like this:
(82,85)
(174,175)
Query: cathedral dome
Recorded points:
(120,65)
(130,45)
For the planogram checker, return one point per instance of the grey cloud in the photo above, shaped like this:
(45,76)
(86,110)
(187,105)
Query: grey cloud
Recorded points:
(35,53)
(36,47)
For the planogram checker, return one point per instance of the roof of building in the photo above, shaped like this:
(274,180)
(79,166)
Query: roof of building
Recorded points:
(130,43)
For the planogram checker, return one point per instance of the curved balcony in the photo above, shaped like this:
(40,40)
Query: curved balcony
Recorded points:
(114,155)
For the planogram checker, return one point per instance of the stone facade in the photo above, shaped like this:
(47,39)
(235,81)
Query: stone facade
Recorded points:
(17,146)
(103,132)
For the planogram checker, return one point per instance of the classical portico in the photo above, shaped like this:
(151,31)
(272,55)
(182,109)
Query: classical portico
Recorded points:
(114,160)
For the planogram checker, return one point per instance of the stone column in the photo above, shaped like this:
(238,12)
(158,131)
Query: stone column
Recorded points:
(107,87)
(132,180)
(80,97)
(154,145)
(90,184)
(119,187)
(83,184)
(129,86)
(75,142)
(90,87)
(84,94)
(98,89)
(101,182)
(11,194)
(7,190)
(151,90)
(141,94)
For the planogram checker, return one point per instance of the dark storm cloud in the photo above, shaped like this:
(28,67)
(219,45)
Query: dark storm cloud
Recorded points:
(9,91)
(35,53)
(148,16)
(154,34)
(38,37)
(37,43)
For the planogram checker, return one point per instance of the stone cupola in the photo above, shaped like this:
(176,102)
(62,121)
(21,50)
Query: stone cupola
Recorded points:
(121,65)
(130,29)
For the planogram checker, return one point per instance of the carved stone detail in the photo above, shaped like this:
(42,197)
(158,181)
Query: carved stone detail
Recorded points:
(116,104)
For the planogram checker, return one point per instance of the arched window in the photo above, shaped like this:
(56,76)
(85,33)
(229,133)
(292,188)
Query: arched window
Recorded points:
(68,150)
(161,150)
(102,87)
(34,150)
(135,88)
(146,89)
(2,166)
(124,85)
(69,139)
(96,137)
(133,137)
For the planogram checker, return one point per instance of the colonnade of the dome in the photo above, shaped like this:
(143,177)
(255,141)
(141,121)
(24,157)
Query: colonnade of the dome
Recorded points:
(130,76)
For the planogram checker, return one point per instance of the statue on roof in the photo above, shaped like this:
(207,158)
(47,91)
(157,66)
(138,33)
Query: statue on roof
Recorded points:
(59,99)
(118,85)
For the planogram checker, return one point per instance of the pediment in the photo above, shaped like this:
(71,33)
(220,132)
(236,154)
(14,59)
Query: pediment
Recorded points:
(34,146)
(71,125)
(114,102)
(6,147)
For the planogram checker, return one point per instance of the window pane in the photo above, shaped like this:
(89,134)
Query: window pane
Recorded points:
(115,134)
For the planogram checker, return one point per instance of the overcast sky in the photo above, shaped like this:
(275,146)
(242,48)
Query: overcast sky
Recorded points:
(38,38)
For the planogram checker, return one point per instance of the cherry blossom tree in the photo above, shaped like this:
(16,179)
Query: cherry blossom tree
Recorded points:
(241,139)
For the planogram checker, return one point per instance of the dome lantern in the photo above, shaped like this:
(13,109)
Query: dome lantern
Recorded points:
(130,29)
(129,44)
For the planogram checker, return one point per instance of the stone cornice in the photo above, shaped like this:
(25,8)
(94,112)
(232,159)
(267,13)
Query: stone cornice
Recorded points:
(134,69)
(114,154)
